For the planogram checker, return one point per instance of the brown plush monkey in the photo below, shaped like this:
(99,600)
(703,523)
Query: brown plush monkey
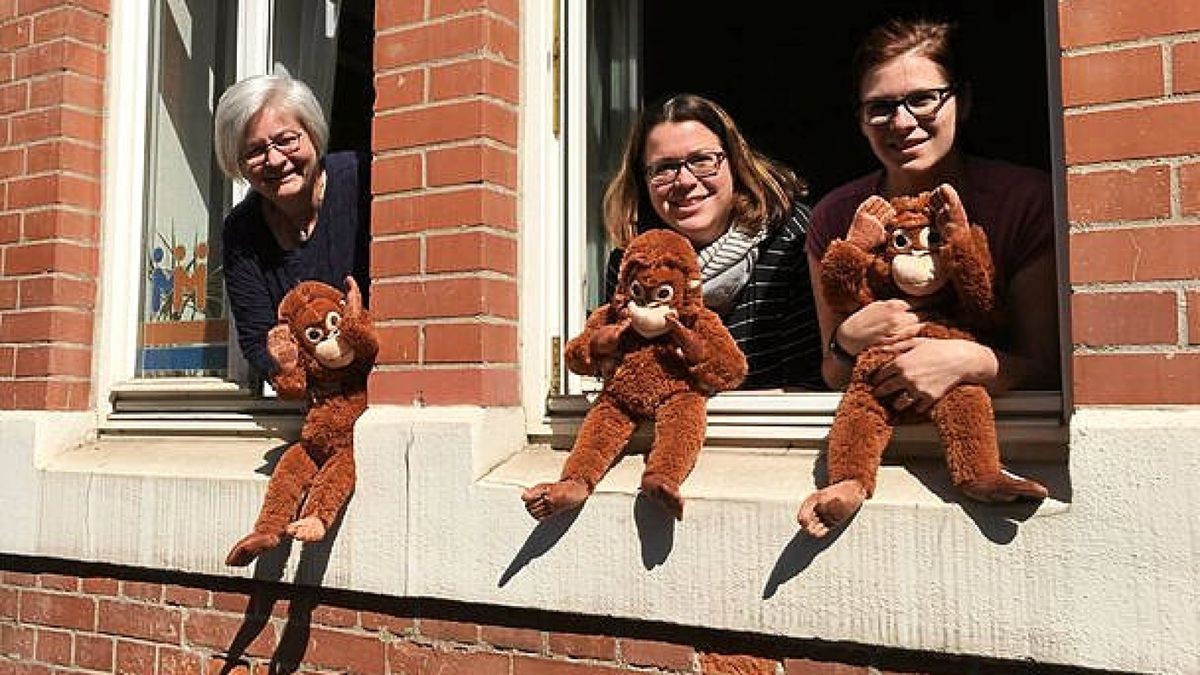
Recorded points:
(913,247)
(325,346)
(661,354)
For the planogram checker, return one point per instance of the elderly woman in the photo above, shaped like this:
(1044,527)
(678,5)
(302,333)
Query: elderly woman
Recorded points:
(307,214)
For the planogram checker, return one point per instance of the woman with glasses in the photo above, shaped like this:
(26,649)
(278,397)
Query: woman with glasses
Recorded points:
(913,99)
(306,215)
(687,167)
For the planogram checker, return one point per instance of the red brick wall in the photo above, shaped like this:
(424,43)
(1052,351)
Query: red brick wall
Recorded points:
(52,60)
(1132,138)
(444,256)
(60,617)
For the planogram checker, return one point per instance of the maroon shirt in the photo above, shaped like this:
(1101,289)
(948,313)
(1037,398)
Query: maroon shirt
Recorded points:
(1013,204)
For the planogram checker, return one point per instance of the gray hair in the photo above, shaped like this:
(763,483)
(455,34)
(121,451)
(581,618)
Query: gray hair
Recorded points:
(243,100)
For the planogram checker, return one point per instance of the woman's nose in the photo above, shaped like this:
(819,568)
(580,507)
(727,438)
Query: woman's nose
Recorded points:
(903,119)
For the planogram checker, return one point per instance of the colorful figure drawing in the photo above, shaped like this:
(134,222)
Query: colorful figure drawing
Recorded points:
(161,283)
(193,282)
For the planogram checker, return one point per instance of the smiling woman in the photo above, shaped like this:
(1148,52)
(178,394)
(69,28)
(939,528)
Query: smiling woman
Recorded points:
(306,216)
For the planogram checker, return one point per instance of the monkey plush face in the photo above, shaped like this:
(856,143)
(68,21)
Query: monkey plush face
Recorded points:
(913,250)
(313,312)
(659,278)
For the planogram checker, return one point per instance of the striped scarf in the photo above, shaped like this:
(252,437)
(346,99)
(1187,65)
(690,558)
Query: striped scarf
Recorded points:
(726,264)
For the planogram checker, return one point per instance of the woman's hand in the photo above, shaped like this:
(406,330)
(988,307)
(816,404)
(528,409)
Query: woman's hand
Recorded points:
(881,321)
(926,368)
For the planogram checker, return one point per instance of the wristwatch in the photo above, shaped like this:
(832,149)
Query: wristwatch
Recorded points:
(836,349)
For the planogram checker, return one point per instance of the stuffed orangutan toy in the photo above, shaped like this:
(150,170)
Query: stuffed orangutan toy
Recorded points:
(325,346)
(919,248)
(661,354)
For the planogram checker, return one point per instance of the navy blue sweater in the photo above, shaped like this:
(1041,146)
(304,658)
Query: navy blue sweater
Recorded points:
(258,273)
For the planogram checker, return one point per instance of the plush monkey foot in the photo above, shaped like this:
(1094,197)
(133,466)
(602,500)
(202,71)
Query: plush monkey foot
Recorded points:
(1003,487)
(546,499)
(830,506)
(307,529)
(665,493)
(250,547)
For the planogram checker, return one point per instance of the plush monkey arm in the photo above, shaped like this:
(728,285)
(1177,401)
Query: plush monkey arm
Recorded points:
(359,331)
(580,354)
(723,366)
(844,276)
(290,380)
(969,264)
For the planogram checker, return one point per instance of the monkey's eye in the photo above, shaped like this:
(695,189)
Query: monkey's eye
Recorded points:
(636,290)
(314,334)
(900,240)
(664,293)
(929,238)
(332,320)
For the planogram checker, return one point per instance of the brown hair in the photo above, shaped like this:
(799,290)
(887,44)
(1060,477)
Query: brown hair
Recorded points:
(763,188)
(935,40)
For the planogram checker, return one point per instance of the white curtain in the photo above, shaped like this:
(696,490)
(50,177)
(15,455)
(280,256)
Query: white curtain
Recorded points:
(304,41)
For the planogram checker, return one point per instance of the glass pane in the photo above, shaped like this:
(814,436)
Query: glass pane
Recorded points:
(184,330)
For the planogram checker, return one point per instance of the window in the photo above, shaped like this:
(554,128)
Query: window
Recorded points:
(168,334)
(784,76)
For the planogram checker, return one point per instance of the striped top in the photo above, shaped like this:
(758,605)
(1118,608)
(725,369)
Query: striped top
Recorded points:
(773,319)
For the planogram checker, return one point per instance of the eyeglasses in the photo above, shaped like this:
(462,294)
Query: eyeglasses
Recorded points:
(923,104)
(703,164)
(286,142)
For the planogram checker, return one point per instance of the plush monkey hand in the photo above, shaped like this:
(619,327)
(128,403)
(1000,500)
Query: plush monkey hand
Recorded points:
(607,338)
(282,348)
(866,230)
(688,345)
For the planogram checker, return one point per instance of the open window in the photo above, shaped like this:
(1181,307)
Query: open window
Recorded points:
(785,78)
(169,358)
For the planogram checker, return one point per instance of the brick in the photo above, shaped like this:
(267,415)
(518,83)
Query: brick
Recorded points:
(1137,379)
(71,22)
(54,290)
(424,299)
(470,343)
(179,662)
(55,256)
(450,386)
(395,257)
(53,189)
(475,77)
(67,88)
(1106,196)
(1189,188)
(134,658)
(505,8)
(57,121)
(475,163)
(467,207)
(408,659)
(94,652)
(1105,77)
(149,622)
(394,625)
(17,642)
(521,639)
(1193,317)
(10,227)
(59,223)
(577,646)
(397,173)
(657,654)
(218,632)
(48,395)
(809,667)
(456,36)
(58,610)
(16,34)
(141,590)
(48,361)
(399,344)
(1089,22)
(1133,133)
(1185,67)
(334,649)
(396,13)
(335,617)
(528,665)
(1123,318)
(14,98)
(97,586)
(470,252)
(8,369)
(58,582)
(400,89)
(54,646)
(184,596)
(726,664)
(443,123)
(47,325)
(64,155)
(57,55)
(1136,254)
(8,596)
(454,631)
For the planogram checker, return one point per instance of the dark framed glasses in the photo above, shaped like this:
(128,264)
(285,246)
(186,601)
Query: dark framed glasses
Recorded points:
(286,142)
(922,104)
(701,164)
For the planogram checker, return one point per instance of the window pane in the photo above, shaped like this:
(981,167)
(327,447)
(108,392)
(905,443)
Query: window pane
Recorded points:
(184,328)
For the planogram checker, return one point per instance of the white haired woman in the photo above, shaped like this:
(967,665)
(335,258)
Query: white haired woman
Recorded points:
(307,214)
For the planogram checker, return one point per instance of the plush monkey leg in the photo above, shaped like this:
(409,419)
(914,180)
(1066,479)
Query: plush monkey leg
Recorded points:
(331,488)
(860,432)
(679,430)
(967,426)
(292,475)
(602,436)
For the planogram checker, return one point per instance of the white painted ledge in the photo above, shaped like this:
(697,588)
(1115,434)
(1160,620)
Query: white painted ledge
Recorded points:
(1105,575)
